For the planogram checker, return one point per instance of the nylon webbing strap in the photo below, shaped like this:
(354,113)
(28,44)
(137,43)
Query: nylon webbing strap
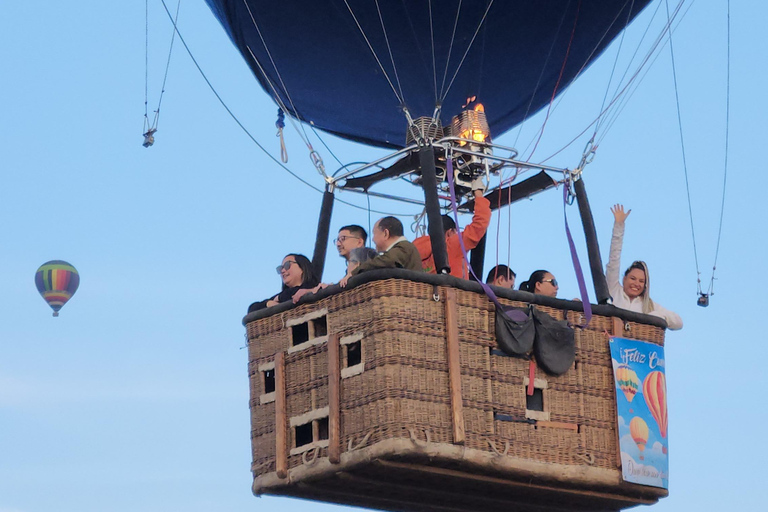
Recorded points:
(455,210)
(576,263)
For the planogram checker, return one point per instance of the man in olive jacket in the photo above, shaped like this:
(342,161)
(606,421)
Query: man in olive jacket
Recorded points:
(395,251)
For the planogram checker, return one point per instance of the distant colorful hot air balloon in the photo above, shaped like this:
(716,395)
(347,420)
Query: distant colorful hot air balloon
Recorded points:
(655,393)
(57,282)
(638,429)
(628,381)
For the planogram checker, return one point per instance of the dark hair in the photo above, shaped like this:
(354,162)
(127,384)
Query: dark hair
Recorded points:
(356,231)
(639,265)
(391,224)
(308,277)
(448,223)
(361,254)
(536,277)
(499,271)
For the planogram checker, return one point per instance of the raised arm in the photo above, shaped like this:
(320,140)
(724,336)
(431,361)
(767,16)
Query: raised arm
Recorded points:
(474,232)
(617,239)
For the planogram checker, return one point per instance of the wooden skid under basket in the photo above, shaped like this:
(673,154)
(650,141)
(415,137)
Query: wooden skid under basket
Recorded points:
(393,395)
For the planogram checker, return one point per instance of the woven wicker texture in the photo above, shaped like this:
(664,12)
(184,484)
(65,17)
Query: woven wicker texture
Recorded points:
(401,390)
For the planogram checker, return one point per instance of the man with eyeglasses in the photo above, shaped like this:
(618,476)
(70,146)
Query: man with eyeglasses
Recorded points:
(350,237)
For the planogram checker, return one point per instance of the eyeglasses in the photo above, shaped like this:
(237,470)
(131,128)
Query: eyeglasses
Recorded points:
(343,238)
(553,281)
(286,266)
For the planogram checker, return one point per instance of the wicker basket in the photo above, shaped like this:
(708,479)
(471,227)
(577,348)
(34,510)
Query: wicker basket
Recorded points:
(391,396)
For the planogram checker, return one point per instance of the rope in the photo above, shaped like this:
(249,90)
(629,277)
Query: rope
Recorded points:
(293,109)
(727,138)
(685,163)
(151,128)
(352,447)
(432,39)
(559,78)
(146,65)
(492,444)
(469,46)
(621,105)
(280,124)
(245,130)
(541,75)
(315,157)
(615,62)
(643,64)
(305,460)
(450,49)
(375,56)
(389,49)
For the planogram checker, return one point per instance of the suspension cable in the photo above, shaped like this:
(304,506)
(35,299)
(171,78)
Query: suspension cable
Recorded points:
(557,84)
(389,49)
(615,62)
(432,39)
(643,66)
(375,56)
(450,48)
(727,138)
(302,133)
(248,133)
(685,163)
(469,47)
(151,128)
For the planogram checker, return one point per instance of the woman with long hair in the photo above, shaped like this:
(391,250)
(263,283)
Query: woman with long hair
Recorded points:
(633,293)
(296,273)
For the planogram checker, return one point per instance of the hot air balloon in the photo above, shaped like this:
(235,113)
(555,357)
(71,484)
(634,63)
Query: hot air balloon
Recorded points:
(638,429)
(402,75)
(628,381)
(57,282)
(414,57)
(655,393)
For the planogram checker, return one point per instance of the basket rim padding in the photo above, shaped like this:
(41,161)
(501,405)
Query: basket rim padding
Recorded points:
(607,310)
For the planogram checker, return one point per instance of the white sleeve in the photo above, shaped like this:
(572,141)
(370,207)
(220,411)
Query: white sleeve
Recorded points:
(674,322)
(614,259)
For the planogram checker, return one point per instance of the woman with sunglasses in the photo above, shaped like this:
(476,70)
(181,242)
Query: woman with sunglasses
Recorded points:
(633,292)
(296,273)
(542,283)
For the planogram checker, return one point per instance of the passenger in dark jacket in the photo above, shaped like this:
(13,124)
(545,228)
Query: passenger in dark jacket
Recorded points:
(296,273)
(395,251)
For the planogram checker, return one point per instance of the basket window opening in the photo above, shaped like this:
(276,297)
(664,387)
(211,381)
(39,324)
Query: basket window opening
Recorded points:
(535,402)
(303,434)
(319,327)
(354,354)
(268,378)
(322,428)
(311,432)
(299,334)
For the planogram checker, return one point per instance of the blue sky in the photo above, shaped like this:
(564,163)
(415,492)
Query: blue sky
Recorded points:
(136,397)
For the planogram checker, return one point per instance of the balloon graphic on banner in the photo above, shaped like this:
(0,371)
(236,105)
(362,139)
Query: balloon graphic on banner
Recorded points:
(655,393)
(57,282)
(628,381)
(638,429)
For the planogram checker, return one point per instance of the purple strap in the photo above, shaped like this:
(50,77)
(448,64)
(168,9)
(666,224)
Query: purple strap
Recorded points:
(487,289)
(576,264)
(454,208)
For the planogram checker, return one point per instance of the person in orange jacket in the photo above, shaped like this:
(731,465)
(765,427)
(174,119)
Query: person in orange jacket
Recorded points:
(472,234)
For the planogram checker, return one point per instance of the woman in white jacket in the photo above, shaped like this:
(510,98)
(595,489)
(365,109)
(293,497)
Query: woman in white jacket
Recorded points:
(633,293)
